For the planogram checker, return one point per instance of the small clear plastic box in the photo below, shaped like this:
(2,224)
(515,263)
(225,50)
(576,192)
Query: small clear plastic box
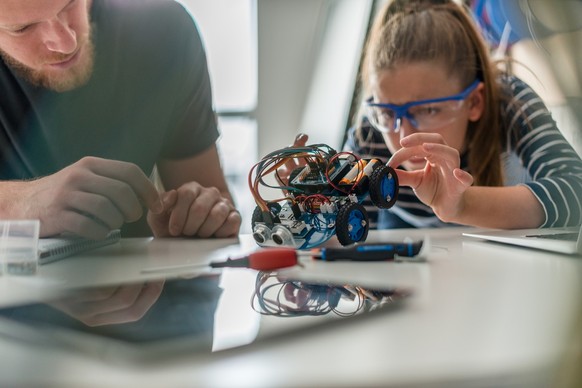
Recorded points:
(19,246)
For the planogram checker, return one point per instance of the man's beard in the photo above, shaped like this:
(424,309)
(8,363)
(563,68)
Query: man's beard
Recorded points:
(63,81)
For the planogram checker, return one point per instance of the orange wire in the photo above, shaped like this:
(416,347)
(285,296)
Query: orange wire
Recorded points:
(275,162)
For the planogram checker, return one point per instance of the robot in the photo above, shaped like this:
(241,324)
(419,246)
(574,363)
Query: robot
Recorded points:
(321,199)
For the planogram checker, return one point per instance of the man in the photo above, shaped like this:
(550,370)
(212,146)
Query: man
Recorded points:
(94,95)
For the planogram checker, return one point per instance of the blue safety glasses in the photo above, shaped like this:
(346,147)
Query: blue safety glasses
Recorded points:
(423,115)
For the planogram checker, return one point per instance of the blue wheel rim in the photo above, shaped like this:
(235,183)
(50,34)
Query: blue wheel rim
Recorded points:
(387,187)
(355,221)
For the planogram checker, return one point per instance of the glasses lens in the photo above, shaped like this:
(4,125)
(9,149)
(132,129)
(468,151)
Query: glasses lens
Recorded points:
(434,115)
(381,118)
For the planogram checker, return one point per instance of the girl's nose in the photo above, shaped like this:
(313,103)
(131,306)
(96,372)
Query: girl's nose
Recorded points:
(397,124)
(403,127)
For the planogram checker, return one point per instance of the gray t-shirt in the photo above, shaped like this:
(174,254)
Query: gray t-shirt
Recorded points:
(149,97)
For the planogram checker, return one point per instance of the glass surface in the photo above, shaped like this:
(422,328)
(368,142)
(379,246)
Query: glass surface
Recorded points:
(214,312)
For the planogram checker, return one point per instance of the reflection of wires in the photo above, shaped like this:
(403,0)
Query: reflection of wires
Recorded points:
(291,298)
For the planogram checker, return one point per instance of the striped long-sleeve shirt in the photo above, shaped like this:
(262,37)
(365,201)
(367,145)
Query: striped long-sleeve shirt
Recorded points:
(537,155)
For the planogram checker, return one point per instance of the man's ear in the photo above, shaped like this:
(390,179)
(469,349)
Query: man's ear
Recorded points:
(477,102)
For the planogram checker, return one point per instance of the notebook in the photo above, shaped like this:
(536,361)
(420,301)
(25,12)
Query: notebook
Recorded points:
(561,240)
(53,249)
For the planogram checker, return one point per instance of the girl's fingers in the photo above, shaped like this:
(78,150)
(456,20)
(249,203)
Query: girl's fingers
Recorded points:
(404,154)
(446,165)
(410,178)
(430,151)
(300,140)
(445,158)
(463,176)
(443,152)
(420,138)
(421,145)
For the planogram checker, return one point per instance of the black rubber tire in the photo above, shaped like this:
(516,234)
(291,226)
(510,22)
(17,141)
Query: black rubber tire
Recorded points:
(384,187)
(258,214)
(352,224)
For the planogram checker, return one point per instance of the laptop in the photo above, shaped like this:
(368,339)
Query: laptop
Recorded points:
(560,240)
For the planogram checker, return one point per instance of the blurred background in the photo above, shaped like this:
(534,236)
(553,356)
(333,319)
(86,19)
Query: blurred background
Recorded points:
(280,67)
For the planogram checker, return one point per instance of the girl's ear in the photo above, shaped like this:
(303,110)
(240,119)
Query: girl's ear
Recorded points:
(477,102)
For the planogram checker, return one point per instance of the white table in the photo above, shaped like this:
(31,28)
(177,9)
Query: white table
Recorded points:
(482,314)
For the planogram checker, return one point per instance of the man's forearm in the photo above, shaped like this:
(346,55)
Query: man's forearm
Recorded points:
(13,200)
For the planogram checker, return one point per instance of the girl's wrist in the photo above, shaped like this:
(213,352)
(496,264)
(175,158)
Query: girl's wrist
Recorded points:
(459,213)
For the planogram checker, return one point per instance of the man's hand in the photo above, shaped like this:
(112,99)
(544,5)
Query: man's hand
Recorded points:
(194,210)
(89,198)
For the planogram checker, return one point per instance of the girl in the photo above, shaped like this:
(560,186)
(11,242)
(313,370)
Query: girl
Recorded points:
(474,146)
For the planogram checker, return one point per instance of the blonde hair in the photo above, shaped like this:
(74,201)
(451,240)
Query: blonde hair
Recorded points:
(443,32)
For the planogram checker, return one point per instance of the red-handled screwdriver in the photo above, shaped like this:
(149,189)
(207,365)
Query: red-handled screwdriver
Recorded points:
(262,260)
(268,259)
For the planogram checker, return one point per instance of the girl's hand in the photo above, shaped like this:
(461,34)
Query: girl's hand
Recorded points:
(284,172)
(441,184)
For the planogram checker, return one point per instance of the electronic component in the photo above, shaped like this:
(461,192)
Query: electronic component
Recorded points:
(322,198)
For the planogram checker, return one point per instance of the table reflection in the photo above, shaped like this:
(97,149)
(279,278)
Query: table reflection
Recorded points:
(135,312)
(211,312)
